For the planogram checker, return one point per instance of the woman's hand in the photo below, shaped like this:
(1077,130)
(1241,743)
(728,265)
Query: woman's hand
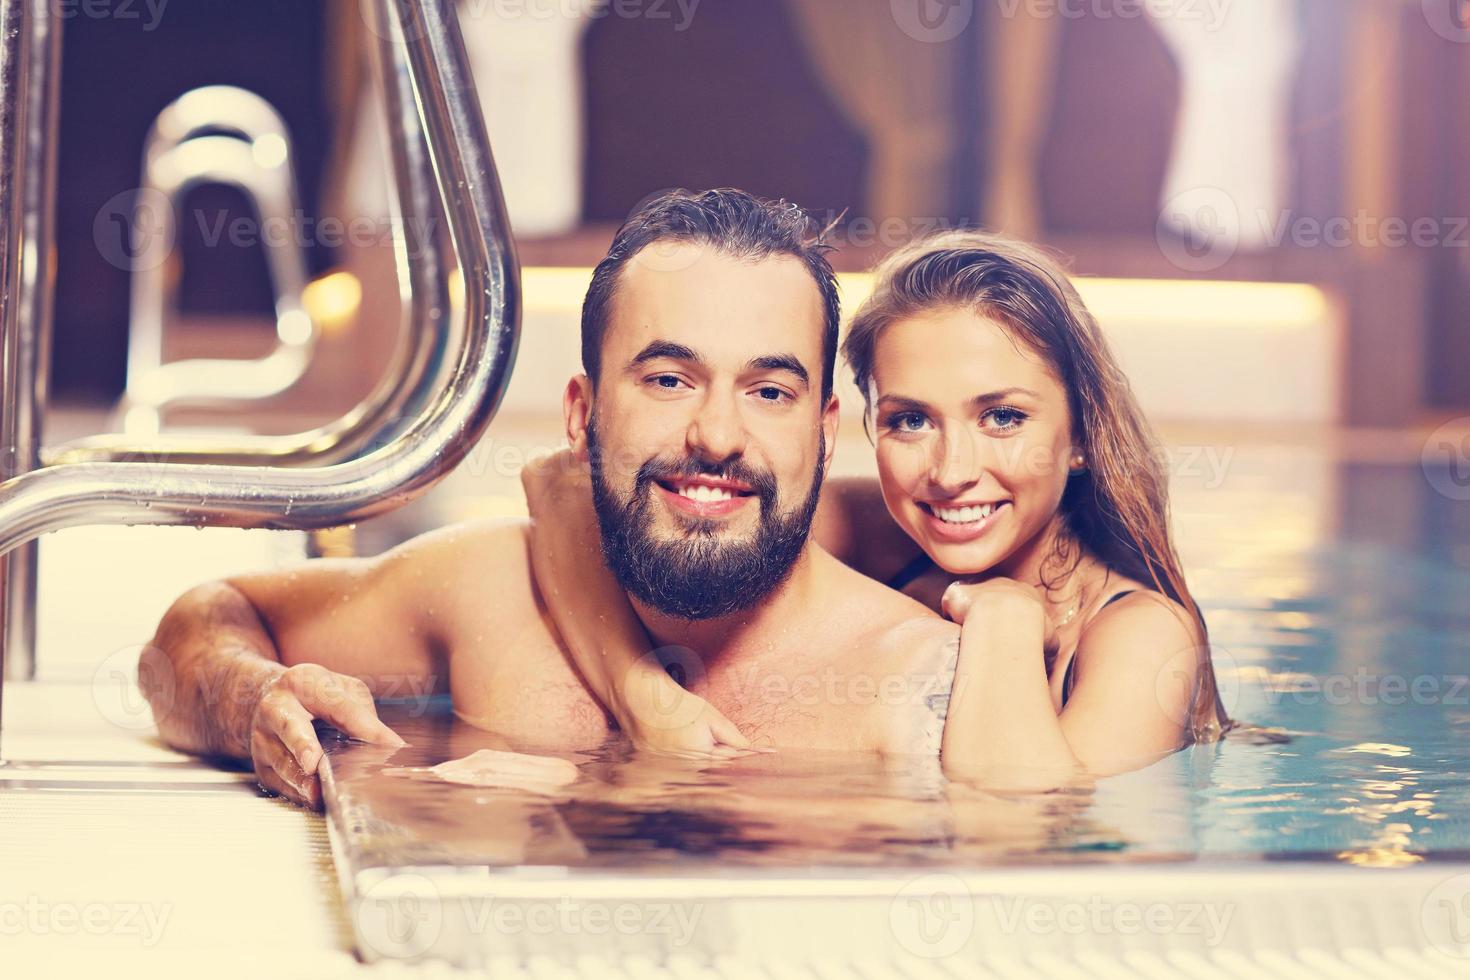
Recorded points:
(602,633)
(555,482)
(993,595)
(657,713)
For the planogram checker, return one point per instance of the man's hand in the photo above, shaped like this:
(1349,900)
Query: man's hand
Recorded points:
(283,744)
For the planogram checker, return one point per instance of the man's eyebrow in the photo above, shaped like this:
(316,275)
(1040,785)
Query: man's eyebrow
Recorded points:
(666,349)
(780,362)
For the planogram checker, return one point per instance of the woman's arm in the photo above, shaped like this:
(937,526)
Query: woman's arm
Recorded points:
(597,623)
(854,526)
(1128,708)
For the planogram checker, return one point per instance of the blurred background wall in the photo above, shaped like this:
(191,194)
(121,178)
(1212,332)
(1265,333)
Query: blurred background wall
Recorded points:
(1138,138)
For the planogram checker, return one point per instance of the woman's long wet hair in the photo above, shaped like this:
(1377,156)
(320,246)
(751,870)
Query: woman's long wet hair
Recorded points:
(1118,507)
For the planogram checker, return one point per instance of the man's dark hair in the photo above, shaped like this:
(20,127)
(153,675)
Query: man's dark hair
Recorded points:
(740,225)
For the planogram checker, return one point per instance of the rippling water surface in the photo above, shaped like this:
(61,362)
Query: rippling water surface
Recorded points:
(1338,597)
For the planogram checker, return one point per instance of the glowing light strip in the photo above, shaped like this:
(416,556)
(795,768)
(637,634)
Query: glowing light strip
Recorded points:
(560,290)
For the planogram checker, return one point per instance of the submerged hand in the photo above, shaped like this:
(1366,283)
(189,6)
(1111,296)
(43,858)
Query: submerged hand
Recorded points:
(283,744)
(656,713)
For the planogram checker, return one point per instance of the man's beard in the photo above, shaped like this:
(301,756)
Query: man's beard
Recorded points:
(699,577)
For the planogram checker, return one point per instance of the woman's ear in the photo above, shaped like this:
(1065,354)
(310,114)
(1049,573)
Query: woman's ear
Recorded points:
(1076,461)
(576,406)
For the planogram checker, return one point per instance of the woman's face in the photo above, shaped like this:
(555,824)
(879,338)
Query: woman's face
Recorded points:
(974,440)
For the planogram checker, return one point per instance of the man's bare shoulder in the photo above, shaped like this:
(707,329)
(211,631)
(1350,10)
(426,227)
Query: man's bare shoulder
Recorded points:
(896,628)
(460,570)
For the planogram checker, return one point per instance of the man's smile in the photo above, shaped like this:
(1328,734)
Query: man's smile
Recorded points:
(705,496)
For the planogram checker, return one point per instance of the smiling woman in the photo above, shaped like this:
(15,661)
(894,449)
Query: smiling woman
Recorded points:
(1013,454)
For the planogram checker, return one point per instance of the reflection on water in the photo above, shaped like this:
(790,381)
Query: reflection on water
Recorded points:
(1352,632)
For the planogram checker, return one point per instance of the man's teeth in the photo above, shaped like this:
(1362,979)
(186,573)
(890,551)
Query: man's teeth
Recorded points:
(703,493)
(963,515)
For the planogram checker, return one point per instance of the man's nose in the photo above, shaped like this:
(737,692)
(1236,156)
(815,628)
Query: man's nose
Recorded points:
(955,465)
(717,432)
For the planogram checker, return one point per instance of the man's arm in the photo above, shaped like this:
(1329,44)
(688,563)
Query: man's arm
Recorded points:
(853,524)
(241,667)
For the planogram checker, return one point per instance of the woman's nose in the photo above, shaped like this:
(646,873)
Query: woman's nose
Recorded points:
(955,466)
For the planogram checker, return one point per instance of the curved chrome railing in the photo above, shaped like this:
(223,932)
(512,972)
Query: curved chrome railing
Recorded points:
(30,60)
(427,49)
(416,370)
(186,148)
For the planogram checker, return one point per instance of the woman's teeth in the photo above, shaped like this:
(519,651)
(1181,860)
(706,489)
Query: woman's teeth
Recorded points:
(704,494)
(963,515)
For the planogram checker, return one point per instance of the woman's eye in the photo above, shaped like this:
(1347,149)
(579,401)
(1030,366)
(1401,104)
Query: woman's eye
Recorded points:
(1005,418)
(906,422)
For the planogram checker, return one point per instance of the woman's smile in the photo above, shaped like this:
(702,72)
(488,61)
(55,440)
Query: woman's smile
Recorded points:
(962,522)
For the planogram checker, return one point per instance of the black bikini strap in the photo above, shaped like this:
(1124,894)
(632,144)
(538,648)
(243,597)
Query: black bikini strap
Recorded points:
(911,571)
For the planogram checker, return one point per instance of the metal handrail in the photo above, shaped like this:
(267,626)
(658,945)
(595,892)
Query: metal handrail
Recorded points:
(185,149)
(428,43)
(415,371)
(30,60)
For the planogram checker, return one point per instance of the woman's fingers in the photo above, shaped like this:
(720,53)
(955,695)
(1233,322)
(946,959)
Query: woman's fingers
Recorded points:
(724,730)
(957,601)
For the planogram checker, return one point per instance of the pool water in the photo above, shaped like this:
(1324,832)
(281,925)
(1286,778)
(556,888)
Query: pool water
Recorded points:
(1338,597)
